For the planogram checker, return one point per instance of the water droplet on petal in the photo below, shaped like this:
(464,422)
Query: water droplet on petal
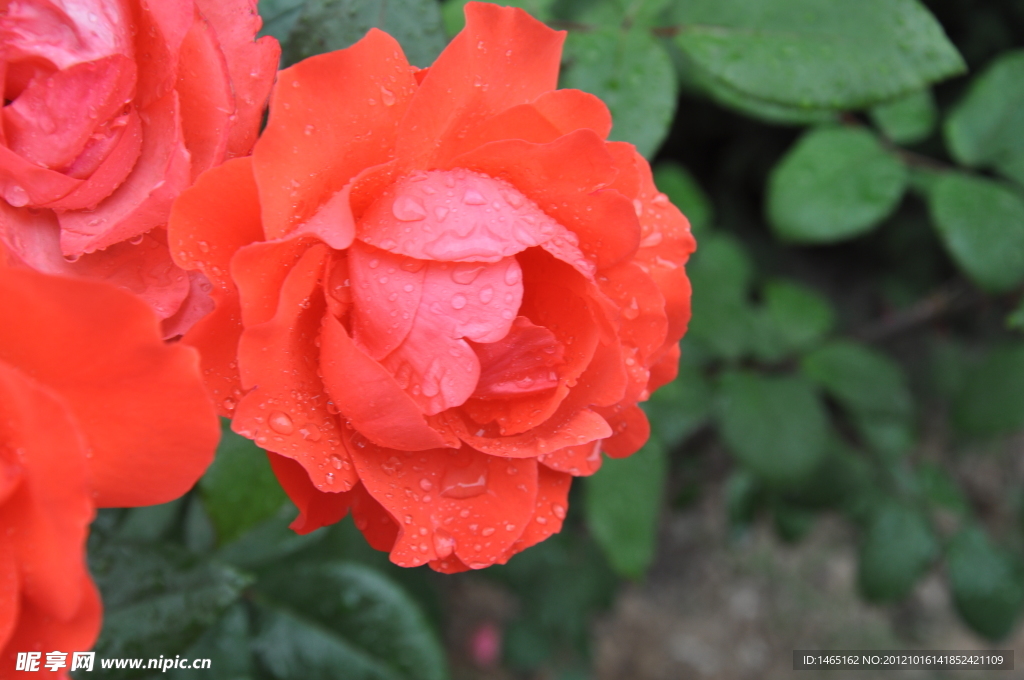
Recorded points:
(16,195)
(465,482)
(230,404)
(336,462)
(310,432)
(632,311)
(444,544)
(473,197)
(486,294)
(513,274)
(280,422)
(329,477)
(458,301)
(408,209)
(487,531)
(425,484)
(466,274)
(558,510)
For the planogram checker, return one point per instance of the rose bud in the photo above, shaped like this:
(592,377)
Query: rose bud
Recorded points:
(96,410)
(111,109)
(440,293)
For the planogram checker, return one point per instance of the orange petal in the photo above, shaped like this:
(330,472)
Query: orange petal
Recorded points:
(448,501)
(631,429)
(286,409)
(503,57)
(369,396)
(569,191)
(139,402)
(331,116)
(316,508)
(215,217)
(549,512)
(216,337)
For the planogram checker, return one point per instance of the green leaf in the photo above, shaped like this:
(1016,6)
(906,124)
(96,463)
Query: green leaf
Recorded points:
(327,25)
(279,17)
(775,426)
(720,272)
(239,489)
(986,582)
(871,386)
(268,541)
(677,409)
(908,119)
(862,379)
(792,522)
(683,190)
(150,523)
(623,502)
(633,74)
(319,620)
(743,495)
(225,644)
(896,549)
(834,184)
(793,318)
(817,53)
(981,223)
(991,401)
(158,599)
(939,488)
(984,129)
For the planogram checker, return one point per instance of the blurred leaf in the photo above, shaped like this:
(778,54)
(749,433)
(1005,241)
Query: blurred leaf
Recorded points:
(327,25)
(268,541)
(1015,319)
(682,189)
(720,272)
(524,645)
(776,426)
(897,547)
(150,523)
(279,17)
(834,184)
(908,119)
(871,386)
(198,531)
(981,223)
(321,619)
(817,53)
(793,318)
(861,378)
(743,495)
(225,644)
(623,502)
(985,128)
(631,72)
(239,489)
(991,401)
(938,487)
(986,583)
(158,599)
(677,409)
(455,19)
(791,521)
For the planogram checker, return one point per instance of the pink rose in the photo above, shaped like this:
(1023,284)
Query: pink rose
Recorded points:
(113,108)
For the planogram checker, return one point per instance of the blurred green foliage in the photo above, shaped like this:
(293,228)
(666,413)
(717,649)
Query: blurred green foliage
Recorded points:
(854,173)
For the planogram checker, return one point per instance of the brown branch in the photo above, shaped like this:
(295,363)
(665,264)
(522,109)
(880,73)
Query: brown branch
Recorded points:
(951,298)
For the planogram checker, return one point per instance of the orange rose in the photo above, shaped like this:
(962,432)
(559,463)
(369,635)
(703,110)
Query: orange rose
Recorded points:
(440,293)
(111,109)
(95,411)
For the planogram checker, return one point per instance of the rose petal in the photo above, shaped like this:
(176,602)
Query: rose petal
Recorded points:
(143,201)
(308,152)
(10,592)
(386,289)
(285,410)
(549,512)
(378,408)
(150,425)
(47,516)
(449,501)
(605,221)
(216,338)
(631,427)
(523,362)
(316,508)
(503,57)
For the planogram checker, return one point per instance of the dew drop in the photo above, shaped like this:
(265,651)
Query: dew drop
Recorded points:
(136,240)
(444,544)
(230,404)
(638,207)
(632,311)
(408,288)
(458,301)
(558,510)
(512,274)
(487,531)
(408,209)
(425,484)
(336,462)
(329,477)
(280,422)
(465,482)
(486,294)
(16,195)
(310,432)
(473,197)
(387,96)
(466,274)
